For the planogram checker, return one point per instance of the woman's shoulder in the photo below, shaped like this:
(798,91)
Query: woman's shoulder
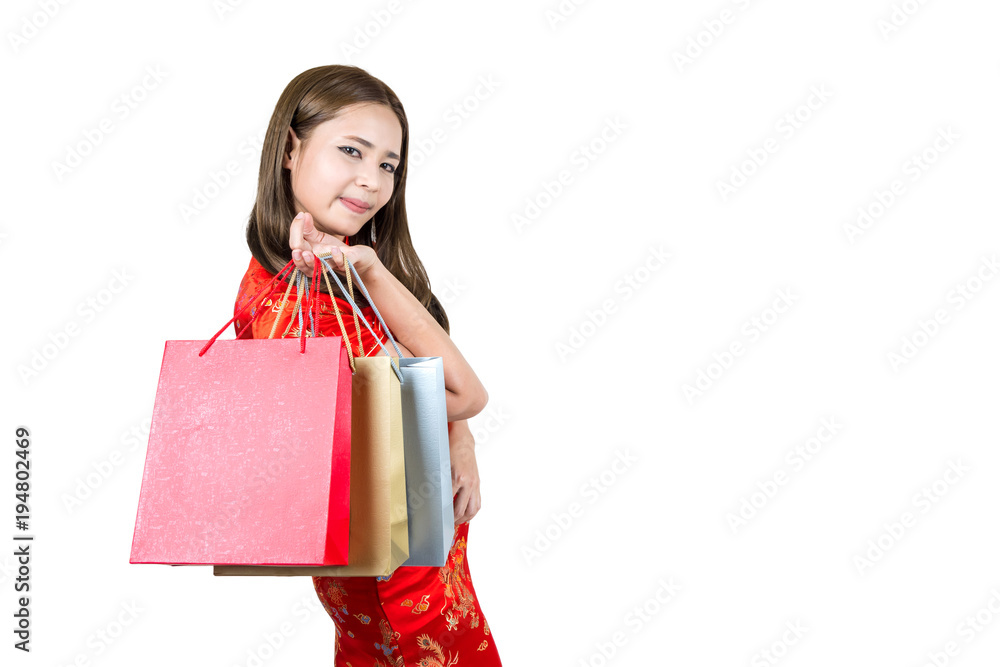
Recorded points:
(254,275)
(250,282)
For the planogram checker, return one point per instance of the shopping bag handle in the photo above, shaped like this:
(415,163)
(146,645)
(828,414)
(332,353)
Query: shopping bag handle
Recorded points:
(253,299)
(336,309)
(312,299)
(298,278)
(348,292)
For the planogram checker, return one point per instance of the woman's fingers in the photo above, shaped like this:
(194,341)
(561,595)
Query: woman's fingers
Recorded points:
(295,233)
(472,507)
(475,504)
(462,505)
(303,263)
(467,502)
(310,234)
(306,242)
(299,245)
(323,251)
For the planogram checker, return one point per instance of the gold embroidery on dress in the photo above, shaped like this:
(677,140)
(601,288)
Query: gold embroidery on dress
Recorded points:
(438,659)
(335,593)
(456,592)
(388,646)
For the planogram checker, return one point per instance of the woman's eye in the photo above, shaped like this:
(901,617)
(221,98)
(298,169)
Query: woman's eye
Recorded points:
(391,169)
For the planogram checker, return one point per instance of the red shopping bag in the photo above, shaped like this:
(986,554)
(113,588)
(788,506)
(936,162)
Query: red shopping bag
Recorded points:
(249,452)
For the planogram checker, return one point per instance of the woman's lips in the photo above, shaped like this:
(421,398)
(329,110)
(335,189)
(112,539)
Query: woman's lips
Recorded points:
(354,205)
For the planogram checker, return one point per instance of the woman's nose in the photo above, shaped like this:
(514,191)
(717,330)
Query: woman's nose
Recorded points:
(367,176)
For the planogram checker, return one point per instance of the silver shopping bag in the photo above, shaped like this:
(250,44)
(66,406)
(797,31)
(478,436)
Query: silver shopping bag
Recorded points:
(430,507)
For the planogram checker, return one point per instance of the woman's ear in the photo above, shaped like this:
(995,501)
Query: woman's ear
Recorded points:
(292,144)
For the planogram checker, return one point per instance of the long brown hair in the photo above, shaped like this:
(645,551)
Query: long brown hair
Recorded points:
(311,98)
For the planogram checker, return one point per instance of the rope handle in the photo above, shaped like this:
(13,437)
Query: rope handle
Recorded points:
(314,312)
(350,299)
(253,299)
(357,325)
(340,321)
(370,301)
(312,299)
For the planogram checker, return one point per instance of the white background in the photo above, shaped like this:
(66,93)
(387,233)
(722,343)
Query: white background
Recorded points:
(580,368)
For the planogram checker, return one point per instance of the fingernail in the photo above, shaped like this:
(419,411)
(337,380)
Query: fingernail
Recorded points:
(299,215)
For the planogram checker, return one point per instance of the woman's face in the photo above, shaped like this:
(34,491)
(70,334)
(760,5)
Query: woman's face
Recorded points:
(344,173)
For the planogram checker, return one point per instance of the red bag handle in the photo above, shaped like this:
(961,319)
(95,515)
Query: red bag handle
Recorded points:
(309,296)
(253,299)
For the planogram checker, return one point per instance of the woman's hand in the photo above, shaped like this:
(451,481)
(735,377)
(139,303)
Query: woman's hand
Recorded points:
(464,471)
(306,241)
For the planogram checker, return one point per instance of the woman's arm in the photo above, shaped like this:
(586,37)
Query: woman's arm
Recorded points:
(417,329)
(464,471)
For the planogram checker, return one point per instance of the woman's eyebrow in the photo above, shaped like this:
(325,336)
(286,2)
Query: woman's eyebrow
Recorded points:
(368,144)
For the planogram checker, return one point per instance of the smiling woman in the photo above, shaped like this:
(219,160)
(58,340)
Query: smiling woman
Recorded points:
(345,172)
(333,168)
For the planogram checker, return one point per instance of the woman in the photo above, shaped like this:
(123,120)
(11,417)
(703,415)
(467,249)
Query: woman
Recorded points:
(335,158)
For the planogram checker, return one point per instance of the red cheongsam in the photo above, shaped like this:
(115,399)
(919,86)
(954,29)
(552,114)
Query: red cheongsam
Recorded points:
(426,616)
